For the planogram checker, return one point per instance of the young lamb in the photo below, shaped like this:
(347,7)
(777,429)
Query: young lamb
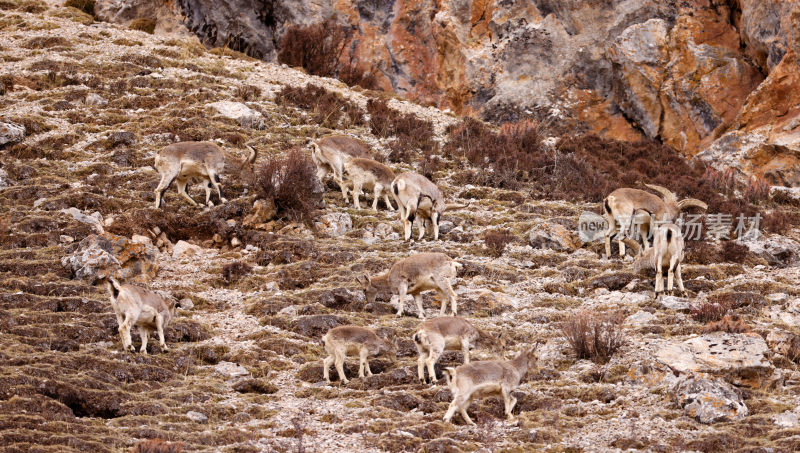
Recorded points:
(343,340)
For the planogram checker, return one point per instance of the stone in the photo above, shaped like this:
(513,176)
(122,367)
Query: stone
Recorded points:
(552,236)
(64,239)
(103,255)
(741,357)
(11,133)
(446,226)
(235,242)
(777,250)
(120,138)
(708,400)
(197,416)
(186,304)
(675,303)
(315,326)
(95,99)
(184,249)
(139,239)
(263,211)
(4,181)
(786,420)
(84,218)
(230,370)
(240,113)
(334,224)
(783,342)
(640,318)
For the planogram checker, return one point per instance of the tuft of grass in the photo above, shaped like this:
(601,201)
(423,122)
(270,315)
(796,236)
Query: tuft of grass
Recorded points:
(728,323)
(328,109)
(594,337)
(290,181)
(710,311)
(497,240)
(233,272)
(144,24)
(87,6)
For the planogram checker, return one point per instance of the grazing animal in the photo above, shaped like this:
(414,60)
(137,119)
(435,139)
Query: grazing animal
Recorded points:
(331,153)
(372,175)
(667,250)
(140,307)
(417,195)
(413,275)
(478,379)
(343,340)
(199,161)
(447,333)
(638,207)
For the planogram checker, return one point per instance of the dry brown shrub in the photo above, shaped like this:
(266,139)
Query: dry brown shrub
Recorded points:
(47,42)
(729,323)
(320,50)
(87,6)
(780,221)
(233,272)
(411,133)
(734,252)
(594,337)
(144,24)
(710,311)
(290,181)
(497,240)
(248,92)
(328,109)
(157,446)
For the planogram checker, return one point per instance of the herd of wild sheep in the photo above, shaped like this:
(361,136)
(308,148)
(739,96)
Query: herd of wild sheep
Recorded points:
(627,212)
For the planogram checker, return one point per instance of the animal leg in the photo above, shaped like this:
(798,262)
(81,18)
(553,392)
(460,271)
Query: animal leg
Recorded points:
(435,221)
(362,358)
(214,178)
(386,200)
(182,190)
(207,188)
(673,263)
(160,328)
(143,334)
(401,300)
(339,361)
(458,401)
(166,180)
(423,357)
(125,332)
(447,293)
(376,194)
(465,350)
(326,365)
(679,277)
(407,219)
(357,194)
(510,402)
(420,310)
(659,275)
(610,231)
(369,370)
(433,357)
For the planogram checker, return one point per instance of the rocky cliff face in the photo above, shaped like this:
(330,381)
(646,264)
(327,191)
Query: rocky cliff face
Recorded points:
(715,77)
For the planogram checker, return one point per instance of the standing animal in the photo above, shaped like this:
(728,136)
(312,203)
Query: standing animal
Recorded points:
(628,207)
(490,377)
(343,340)
(371,175)
(667,250)
(417,195)
(413,275)
(331,153)
(447,333)
(199,161)
(140,307)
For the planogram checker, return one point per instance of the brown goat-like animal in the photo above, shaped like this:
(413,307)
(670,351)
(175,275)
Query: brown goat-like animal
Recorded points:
(343,340)
(199,161)
(140,307)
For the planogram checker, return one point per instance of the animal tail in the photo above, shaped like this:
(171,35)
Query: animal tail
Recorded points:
(252,157)
(606,207)
(418,337)
(669,235)
(113,287)
(397,186)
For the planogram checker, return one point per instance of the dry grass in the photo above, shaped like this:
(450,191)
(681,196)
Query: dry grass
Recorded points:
(710,312)
(497,240)
(328,109)
(290,181)
(594,337)
(144,24)
(729,323)
(87,6)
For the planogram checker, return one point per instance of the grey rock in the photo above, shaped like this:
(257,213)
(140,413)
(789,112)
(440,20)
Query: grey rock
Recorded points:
(552,236)
(230,370)
(708,400)
(95,99)
(83,218)
(675,303)
(197,416)
(11,133)
(334,224)
(240,113)
(100,256)
(4,181)
(786,420)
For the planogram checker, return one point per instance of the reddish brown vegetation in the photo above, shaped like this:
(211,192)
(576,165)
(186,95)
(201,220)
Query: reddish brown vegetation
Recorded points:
(497,240)
(234,271)
(594,337)
(729,323)
(290,181)
(158,446)
(710,311)
(411,133)
(320,49)
(327,109)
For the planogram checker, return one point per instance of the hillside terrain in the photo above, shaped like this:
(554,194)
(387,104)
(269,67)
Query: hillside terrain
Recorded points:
(84,107)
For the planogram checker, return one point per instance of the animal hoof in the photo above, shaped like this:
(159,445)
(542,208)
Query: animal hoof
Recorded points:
(223,200)
(210,204)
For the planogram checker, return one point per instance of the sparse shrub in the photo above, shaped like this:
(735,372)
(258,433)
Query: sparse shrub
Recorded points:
(234,271)
(729,323)
(411,132)
(144,24)
(780,221)
(319,49)
(757,190)
(87,6)
(710,311)
(328,109)
(594,337)
(733,252)
(497,240)
(290,182)
(47,42)
(248,92)
(157,446)
(721,181)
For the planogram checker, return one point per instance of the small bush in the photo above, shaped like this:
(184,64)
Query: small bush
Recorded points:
(87,6)
(729,323)
(594,337)
(328,109)
(320,50)
(410,132)
(710,311)
(757,190)
(733,252)
(248,92)
(721,181)
(144,24)
(780,221)
(234,271)
(496,241)
(157,446)
(290,182)
(47,42)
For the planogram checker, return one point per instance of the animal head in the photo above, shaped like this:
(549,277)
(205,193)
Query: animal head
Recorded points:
(370,290)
